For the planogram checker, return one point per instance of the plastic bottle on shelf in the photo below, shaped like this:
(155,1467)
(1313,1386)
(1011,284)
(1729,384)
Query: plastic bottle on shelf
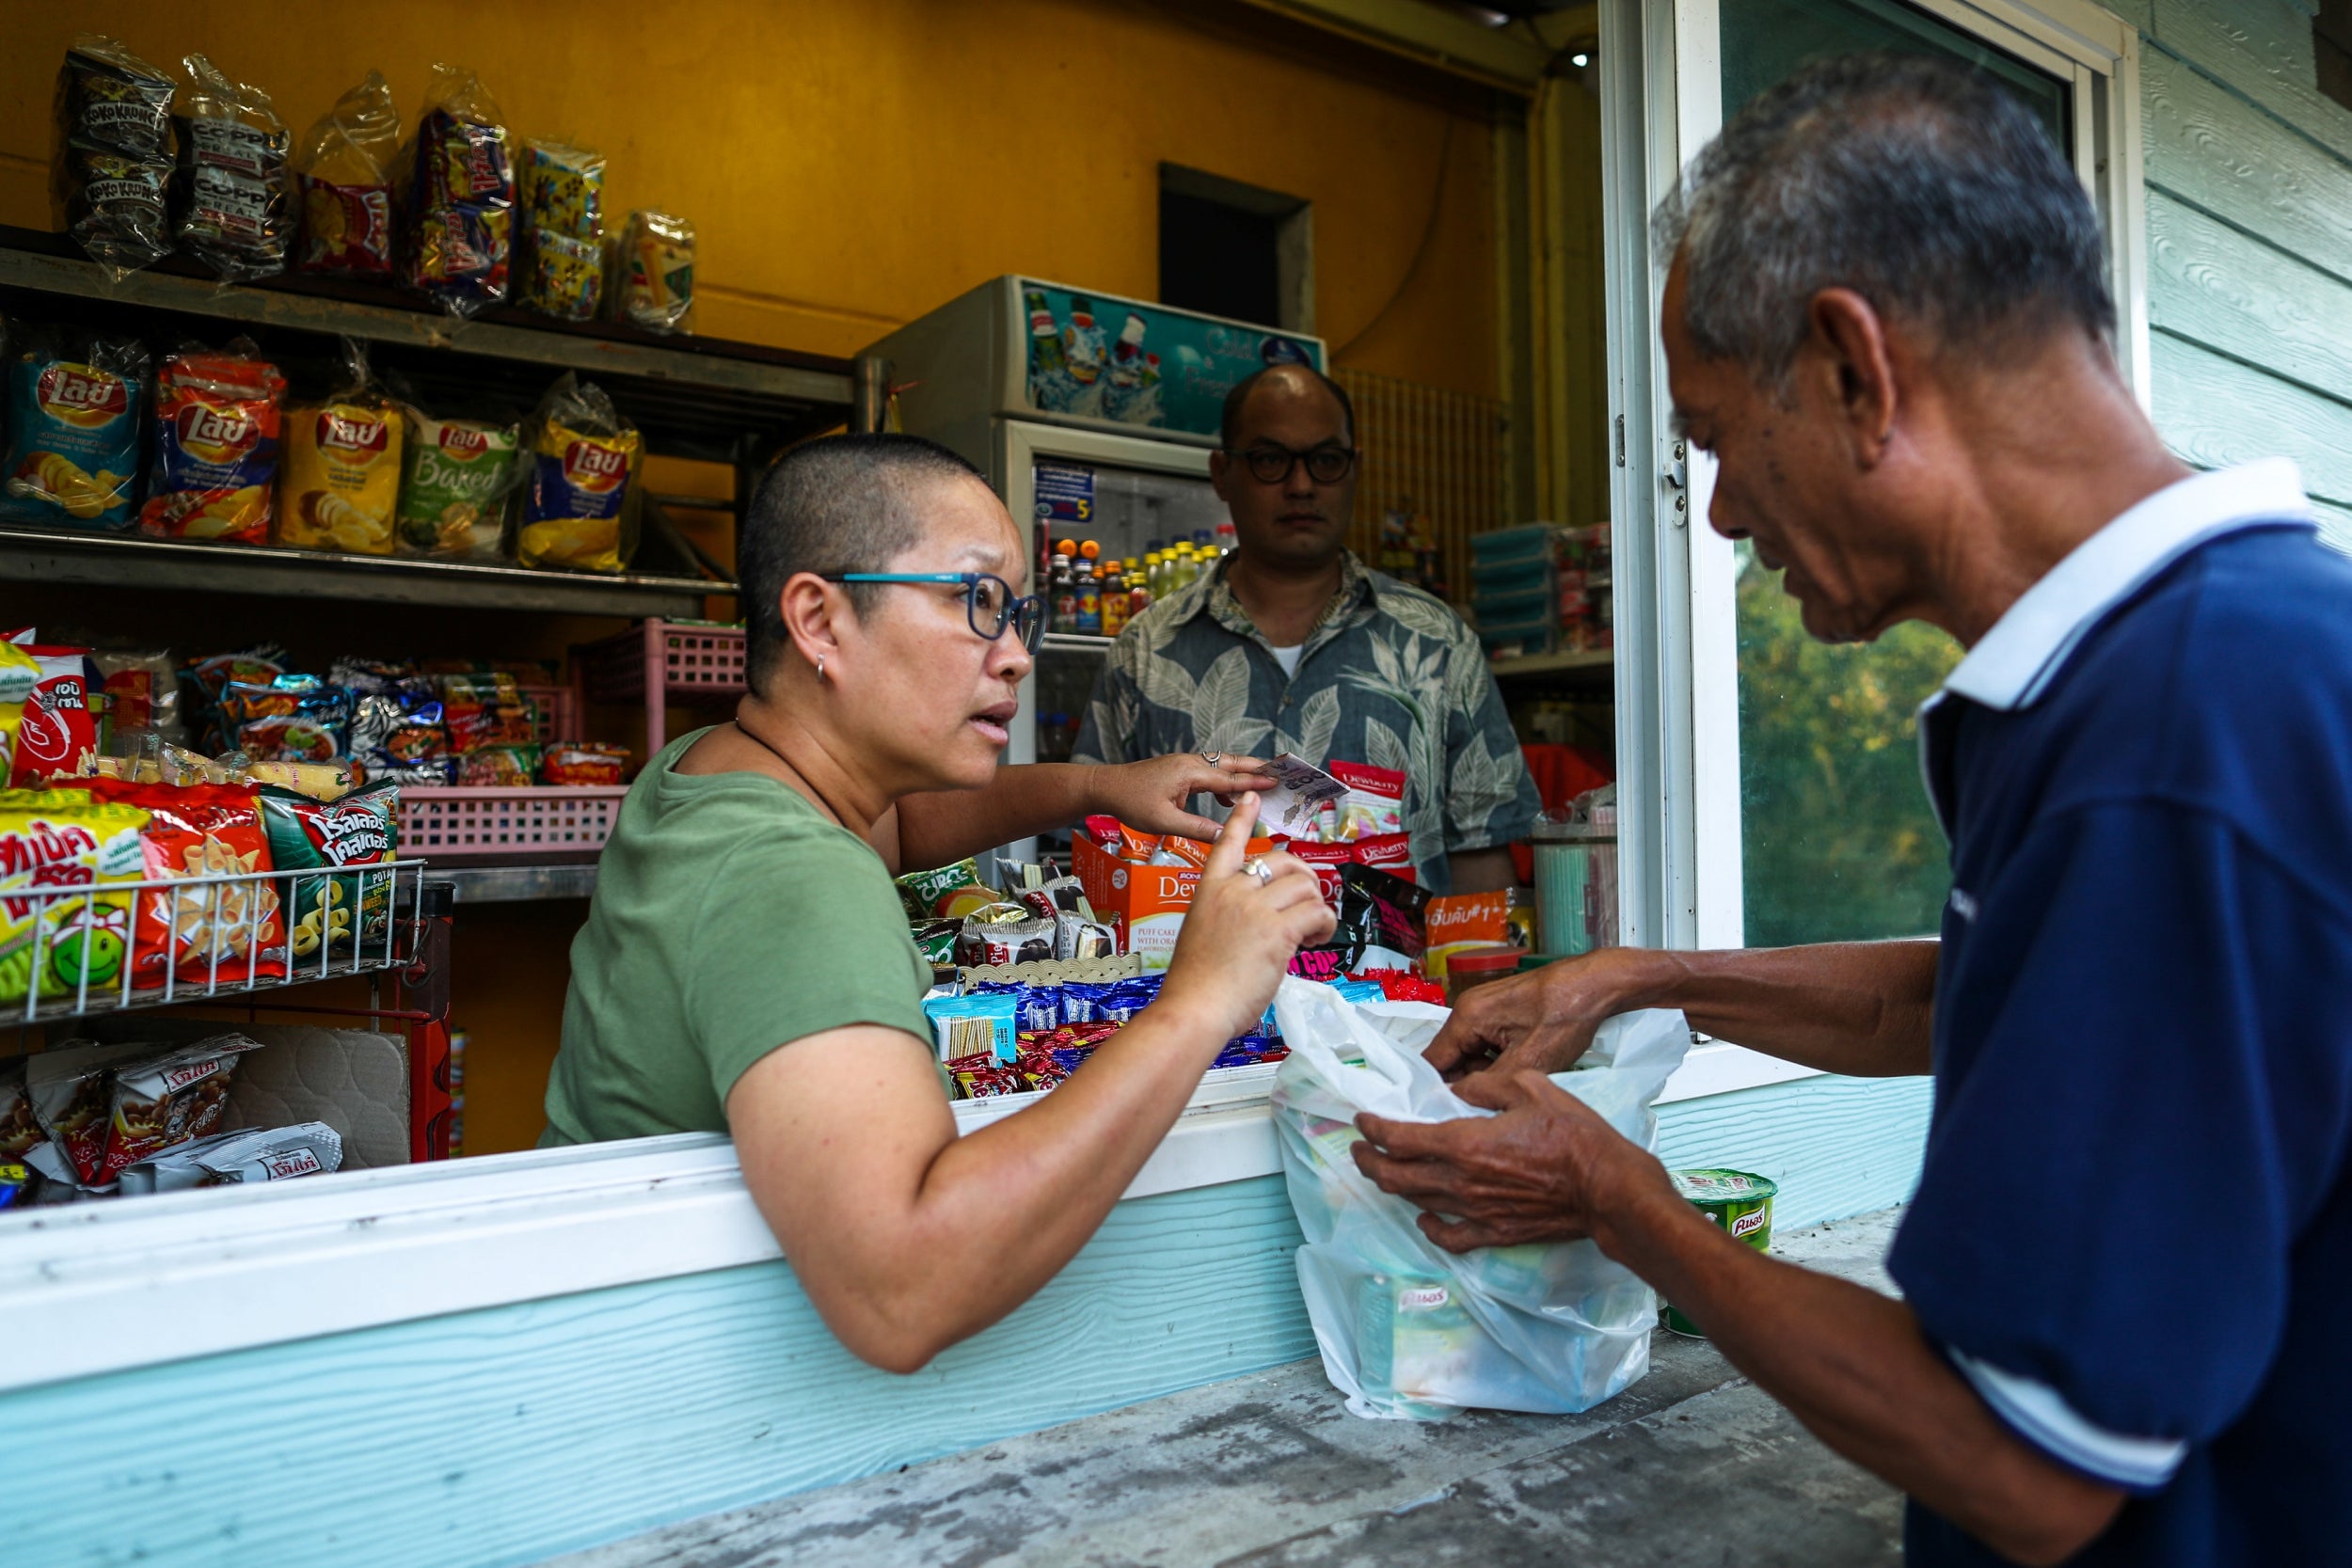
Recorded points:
(1087,617)
(1227,540)
(1152,572)
(1116,605)
(1139,593)
(1061,592)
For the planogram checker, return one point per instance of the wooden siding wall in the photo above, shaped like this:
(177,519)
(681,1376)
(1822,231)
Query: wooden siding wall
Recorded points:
(1430,451)
(2249,241)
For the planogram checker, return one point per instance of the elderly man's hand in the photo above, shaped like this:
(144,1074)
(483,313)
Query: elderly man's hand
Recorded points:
(1155,795)
(1540,1021)
(1547,1168)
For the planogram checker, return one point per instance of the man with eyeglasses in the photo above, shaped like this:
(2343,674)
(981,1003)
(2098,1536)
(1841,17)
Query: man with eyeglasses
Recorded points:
(1291,645)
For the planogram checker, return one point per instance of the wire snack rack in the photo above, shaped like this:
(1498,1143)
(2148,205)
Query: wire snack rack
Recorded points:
(100,947)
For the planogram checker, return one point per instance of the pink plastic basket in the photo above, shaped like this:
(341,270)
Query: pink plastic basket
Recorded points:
(691,659)
(457,824)
(555,713)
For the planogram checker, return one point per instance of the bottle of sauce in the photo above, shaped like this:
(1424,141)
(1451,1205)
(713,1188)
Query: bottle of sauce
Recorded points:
(1087,613)
(1062,589)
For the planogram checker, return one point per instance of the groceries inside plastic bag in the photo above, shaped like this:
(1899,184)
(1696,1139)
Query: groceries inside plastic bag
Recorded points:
(1407,1329)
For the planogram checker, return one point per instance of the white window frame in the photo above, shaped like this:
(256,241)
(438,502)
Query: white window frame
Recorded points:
(1677,674)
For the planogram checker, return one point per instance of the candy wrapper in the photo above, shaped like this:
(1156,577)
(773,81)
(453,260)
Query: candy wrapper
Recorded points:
(341,482)
(228,203)
(217,424)
(54,841)
(167,1099)
(359,829)
(583,763)
(461,196)
(656,268)
(920,891)
(112,170)
(563,206)
(966,1026)
(76,404)
(580,509)
(457,481)
(345,180)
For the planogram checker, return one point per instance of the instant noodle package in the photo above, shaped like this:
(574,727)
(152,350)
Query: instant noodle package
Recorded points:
(216,441)
(113,164)
(344,179)
(76,402)
(580,509)
(229,209)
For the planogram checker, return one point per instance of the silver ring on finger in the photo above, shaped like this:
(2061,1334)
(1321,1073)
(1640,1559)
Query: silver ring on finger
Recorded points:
(1256,867)
(1213,758)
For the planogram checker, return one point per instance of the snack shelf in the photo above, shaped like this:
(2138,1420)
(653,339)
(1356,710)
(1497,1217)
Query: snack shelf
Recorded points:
(229,931)
(519,883)
(1075,643)
(47,555)
(1552,664)
(508,823)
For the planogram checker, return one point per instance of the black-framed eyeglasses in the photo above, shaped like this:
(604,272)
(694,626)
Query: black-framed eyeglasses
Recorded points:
(989,601)
(1269,463)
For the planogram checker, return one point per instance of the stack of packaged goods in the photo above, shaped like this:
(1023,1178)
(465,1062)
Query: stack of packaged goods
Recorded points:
(84,1120)
(144,165)
(1588,620)
(997,1038)
(1515,590)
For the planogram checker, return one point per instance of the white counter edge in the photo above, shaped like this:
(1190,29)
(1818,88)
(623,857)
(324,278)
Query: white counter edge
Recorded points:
(105,1287)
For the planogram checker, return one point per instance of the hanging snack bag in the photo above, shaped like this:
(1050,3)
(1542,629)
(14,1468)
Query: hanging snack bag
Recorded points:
(114,154)
(55,732)
(216,439)
(580,509)
(340,479)
(142,693)
(457,477)
(345,180)
(461,196)
(228,203)
(75,409)
(563,206)
(60,841)
(398,735)
(200,831)
(655,287)
(170,1098)
(360,829)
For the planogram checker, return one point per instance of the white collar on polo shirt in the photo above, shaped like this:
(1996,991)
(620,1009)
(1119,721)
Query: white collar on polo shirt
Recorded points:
(2012,664)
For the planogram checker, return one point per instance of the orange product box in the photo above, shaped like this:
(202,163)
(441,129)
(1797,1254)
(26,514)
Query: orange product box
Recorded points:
(1465,920)
(1143,905)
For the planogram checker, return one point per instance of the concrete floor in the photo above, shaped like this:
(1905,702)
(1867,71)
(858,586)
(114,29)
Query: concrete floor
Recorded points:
(1692,1466)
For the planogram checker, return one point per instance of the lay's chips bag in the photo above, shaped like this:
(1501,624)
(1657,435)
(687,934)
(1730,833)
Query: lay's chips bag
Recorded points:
(457,486)
(342,475)
(75,406)
(216,436)
(580,509)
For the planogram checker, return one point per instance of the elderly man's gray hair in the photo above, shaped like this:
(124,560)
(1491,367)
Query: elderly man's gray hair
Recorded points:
(1928,188)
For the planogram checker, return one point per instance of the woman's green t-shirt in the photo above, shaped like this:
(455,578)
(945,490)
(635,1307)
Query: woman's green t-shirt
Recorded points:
(731,917)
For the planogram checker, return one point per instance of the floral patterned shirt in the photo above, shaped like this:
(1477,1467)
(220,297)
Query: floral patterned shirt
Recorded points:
(1388,677)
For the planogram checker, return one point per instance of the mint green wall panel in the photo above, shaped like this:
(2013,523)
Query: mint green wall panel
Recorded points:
(2261,48)
(2222,289)
(2214,412)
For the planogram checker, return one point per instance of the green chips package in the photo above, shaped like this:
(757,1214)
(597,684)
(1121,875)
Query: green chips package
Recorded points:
(356,830)
(457,481)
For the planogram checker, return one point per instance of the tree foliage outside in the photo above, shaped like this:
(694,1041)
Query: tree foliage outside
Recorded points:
(1838,843)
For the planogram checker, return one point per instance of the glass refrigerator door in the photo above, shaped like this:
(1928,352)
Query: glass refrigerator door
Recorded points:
(1128,495)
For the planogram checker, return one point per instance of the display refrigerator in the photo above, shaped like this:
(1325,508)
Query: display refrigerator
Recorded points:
(1093,417)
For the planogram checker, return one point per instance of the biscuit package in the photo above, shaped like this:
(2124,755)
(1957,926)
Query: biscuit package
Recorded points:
(562,207)
(112,169)
(228,203)
(60,841)
(76,402)
(340,481)
(216,441)
(457,482)
(461,196)
(580,508)
(343,180)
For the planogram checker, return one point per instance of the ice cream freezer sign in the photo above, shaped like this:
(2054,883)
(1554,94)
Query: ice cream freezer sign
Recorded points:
(1141,364)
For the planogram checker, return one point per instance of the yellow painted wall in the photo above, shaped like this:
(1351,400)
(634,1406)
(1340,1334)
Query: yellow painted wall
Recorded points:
(850,165)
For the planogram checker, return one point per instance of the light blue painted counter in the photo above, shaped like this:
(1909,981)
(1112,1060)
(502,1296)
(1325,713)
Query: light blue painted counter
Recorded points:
(507,1436)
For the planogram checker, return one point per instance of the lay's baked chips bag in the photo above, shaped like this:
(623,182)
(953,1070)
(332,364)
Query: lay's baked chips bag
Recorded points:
(580,509)
(75,407)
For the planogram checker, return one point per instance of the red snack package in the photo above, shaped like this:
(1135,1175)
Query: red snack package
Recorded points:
(1105,831)
(168,1099)
(1134,846)
(345,180)
(583,762)
(1398,985)
(1373,806)
(1388,852)
(1327,859)
(216,425)
(201,830)
(56,731)
(71,1092)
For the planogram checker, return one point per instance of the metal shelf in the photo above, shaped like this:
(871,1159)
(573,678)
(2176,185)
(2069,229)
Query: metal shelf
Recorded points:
(1552,664)
(518,885)
(1072,642)
(134,561)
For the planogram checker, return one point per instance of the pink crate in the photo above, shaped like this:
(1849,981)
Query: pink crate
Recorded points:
(460,824)
(695,661)
(555,713)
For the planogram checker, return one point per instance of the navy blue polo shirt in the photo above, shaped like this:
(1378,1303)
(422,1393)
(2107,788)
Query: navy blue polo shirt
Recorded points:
(2133,1234)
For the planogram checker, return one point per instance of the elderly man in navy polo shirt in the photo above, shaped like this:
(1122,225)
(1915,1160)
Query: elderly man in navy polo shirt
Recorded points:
(2127,1265)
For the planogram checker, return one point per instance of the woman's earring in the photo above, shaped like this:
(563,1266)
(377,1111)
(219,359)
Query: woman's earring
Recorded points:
(820,667)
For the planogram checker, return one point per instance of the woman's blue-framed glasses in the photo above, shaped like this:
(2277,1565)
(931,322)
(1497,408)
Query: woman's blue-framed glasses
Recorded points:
(989,601)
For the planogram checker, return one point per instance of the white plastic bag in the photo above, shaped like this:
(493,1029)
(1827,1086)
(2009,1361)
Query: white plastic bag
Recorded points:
(1408,1330)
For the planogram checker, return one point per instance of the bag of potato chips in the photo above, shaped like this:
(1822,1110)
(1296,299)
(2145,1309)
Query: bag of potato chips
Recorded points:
(458,478)
(340,481)
(62,842)
(75,405)
(344,181)
(580,509)
(460,196)
(228,930)
(216,430)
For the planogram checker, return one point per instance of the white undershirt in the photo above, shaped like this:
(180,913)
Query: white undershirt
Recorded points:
(1288,658)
